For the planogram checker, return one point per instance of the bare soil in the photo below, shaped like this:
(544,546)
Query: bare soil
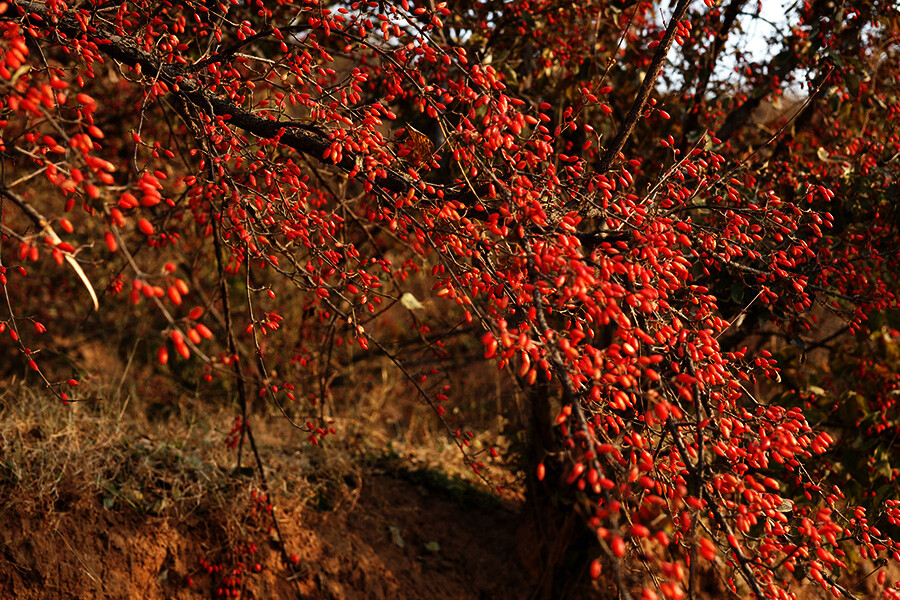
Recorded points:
(389,538)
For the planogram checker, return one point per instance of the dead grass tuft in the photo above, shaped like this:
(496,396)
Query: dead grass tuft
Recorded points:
(120,452)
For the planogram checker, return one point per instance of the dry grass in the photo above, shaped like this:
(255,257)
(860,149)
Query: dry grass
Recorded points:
(158,449)
(49,452)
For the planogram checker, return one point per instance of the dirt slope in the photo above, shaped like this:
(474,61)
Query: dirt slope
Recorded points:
(389,538)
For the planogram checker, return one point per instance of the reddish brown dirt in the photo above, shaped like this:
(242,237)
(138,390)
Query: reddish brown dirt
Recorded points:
(449,550)
(382,536)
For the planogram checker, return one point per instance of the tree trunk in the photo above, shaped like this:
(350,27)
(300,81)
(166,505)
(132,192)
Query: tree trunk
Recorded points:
(554,543)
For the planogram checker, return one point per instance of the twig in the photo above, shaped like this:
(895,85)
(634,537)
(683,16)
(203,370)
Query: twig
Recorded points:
(743,562)
(42,222)
(637,108)
(242,387)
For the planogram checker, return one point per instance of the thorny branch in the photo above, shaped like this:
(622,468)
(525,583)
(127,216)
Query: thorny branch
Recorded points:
(647,86)
(743,562)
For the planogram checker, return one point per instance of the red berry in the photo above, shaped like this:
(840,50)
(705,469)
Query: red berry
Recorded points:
(145,227)
(111,241)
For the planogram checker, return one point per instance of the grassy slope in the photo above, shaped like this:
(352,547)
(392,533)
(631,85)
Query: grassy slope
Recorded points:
(121,497)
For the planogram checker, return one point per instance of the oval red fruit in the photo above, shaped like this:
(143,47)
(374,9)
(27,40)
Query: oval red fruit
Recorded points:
(182,350)
(145,227)
(707,549)
(174,295)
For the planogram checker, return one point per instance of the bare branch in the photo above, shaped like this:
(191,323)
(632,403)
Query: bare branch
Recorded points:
(637,108)
(42,222)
